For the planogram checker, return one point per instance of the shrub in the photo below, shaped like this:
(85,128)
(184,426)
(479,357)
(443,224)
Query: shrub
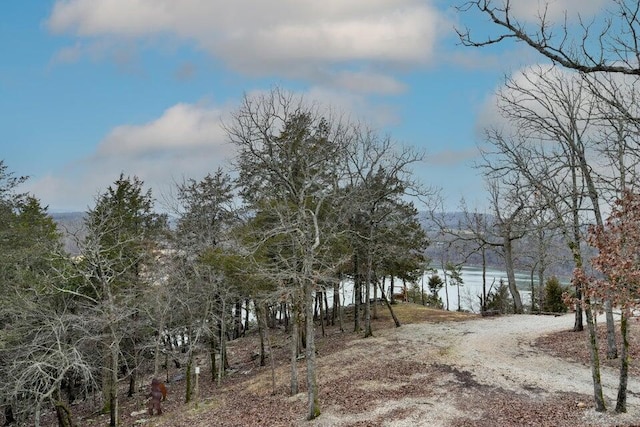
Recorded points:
(500,299)
(553,301)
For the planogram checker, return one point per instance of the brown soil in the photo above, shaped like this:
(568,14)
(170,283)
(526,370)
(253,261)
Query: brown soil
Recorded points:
(439,369)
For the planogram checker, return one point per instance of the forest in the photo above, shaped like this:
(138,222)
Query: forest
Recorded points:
(312,200)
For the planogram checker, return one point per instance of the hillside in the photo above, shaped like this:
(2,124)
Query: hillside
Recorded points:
(69,224)
(438,369)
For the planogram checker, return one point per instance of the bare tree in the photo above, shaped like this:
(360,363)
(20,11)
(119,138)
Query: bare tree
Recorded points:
(607,42)
(42,339)
(512,210)
(559,108)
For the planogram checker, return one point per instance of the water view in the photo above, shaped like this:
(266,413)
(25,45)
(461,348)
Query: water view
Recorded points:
(470,289)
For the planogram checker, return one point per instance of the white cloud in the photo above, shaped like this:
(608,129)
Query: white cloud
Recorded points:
(181,127)
(555,10)
(294,37)
(185,141)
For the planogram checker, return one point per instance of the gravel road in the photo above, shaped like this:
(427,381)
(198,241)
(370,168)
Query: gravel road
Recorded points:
(491,354)
(498,352)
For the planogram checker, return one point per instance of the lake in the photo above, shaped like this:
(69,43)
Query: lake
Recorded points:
(469,290)
(471,287)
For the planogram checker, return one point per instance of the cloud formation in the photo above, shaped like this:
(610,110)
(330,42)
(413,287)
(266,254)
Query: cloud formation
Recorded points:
(182,127)
(292,38)
(187,140)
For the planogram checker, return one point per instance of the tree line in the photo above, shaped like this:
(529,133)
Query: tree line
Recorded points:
(311,200)
(566,154)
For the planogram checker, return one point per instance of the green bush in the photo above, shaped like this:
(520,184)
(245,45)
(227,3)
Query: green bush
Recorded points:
(500,299)
(428,299)
(553,291)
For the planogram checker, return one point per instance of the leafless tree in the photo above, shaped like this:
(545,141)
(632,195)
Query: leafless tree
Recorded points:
(53,351)
(559,108)
(607,42)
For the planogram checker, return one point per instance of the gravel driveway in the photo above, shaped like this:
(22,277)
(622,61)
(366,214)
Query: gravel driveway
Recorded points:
(488,354)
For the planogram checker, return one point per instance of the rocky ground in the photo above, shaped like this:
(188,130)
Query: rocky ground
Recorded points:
(438,369)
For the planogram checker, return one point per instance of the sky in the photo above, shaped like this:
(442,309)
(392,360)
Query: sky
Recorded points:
(90,89)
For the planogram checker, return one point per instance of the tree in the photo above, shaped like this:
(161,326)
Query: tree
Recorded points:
(289,154)
(40,336)
(617,259)
(553,292)
(435,284)
(605,43)
(203,292)
(109,276)
(455,278)
(378,176)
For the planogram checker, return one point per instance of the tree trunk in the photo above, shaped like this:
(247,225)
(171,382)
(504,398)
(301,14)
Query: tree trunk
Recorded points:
(578,324)
(391,289)
(247,305)
(368,331)
(223,344)
(612,348)
(63,413)
(483,307)
(541,271)
(133,374)
(9,418)
(212,356)
(375,302)
(261,331)
(337,304)
(237,320)
(319,298)
(268,338)
(36,414)
(294,348)
(188,378)
(446,287)
(312,385)
(113,388)
(511,276)
(621,401)
(357,292)
(326,307)
(595,358)
(386,301)
(156,351)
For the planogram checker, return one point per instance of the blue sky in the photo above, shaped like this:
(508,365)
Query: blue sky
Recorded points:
(93,88)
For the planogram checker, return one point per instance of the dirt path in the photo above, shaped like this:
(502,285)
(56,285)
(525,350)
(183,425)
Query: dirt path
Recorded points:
(482,357)
(499,352)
